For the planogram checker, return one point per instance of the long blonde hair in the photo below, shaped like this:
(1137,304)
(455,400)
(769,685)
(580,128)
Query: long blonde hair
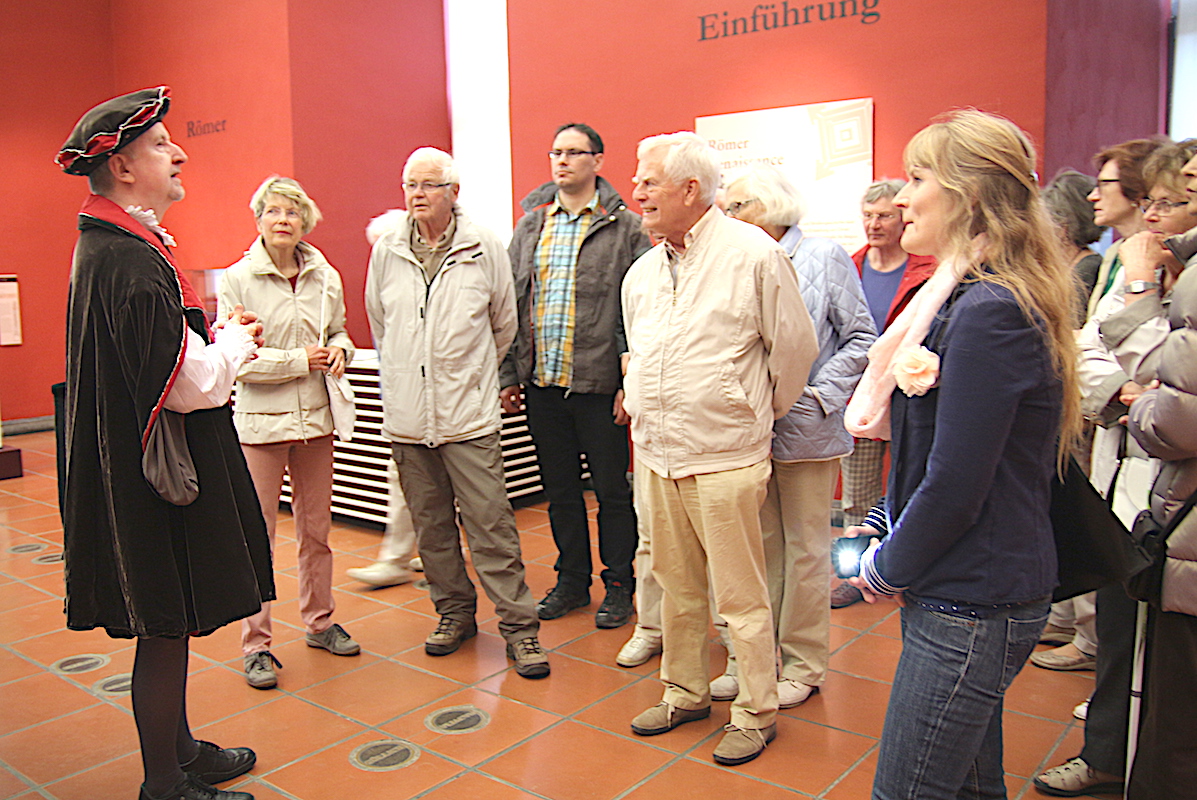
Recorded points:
(986,164)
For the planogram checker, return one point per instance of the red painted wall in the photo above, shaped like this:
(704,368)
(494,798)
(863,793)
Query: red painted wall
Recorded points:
(367,87)
(39,105)
(644,70)
(335,95)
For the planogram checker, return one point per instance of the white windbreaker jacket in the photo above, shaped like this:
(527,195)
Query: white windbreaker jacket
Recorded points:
(439,344)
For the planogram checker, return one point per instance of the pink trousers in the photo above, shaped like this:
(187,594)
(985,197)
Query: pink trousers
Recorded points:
(311,466)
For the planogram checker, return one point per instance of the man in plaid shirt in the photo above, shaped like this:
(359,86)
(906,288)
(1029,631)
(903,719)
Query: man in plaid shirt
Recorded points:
(569,254)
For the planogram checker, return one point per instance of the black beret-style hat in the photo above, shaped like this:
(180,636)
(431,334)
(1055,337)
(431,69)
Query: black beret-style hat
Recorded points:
(110,126)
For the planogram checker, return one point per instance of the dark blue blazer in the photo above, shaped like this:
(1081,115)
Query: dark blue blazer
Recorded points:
(973,459)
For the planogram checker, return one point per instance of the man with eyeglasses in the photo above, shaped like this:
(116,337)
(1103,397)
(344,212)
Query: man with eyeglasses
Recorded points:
(890,277)
(569,254)
(442,311)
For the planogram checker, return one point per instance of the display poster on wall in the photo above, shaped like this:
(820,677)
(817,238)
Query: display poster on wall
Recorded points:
(10,310)
(825,149)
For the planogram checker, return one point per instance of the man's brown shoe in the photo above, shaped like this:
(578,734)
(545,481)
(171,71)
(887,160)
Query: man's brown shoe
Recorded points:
(449,635)
(663,717)
(741,745)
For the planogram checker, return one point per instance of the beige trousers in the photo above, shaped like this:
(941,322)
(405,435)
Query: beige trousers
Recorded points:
(796,526)
(712,521)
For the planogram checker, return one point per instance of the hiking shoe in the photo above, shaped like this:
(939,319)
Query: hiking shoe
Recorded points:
(663,717)
(449,635)
(213,764)
(530,660)
(725,687)
(1064,659)
(335,640)
(1075,778)
(741,745)
(638,650)
(845,595)
(560,601)
(616,609)
(381,574)
(259,670)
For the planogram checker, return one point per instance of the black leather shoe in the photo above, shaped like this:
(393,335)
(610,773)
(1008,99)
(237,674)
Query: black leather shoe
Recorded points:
(216,765)
(560,601)
(616,609)
(191,789)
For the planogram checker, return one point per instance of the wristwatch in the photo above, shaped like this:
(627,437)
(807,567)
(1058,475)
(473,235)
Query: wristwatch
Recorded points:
(1138,287)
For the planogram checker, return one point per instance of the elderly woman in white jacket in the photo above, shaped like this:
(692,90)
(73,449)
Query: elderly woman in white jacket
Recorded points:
(282,414)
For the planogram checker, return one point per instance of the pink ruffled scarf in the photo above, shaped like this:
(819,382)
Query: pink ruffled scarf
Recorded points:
(898,359)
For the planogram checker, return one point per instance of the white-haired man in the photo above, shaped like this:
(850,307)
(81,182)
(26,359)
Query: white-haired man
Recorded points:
(719,345)
(441,305)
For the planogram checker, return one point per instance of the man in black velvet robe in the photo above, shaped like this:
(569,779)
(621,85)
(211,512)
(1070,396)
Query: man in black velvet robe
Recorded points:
(148,556)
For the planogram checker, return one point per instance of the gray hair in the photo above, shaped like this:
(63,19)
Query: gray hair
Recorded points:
(289,188)
(438,159)
(686,156)
(884,189)
(780,200)
(1066,199)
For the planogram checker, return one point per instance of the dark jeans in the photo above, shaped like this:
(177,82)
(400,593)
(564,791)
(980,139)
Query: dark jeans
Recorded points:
(564,428)
(1109,708)
(943,728)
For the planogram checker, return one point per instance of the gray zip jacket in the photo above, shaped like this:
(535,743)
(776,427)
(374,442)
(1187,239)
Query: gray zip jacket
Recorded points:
(814,428)
(613,241)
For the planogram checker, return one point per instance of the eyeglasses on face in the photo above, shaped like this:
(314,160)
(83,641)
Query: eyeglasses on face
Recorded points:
(570,155)
(1161,205)
(884,216)
(733,209)
(425,186)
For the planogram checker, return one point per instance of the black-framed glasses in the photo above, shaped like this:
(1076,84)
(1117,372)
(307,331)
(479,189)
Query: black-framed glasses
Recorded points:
(1162,205)
(733,209)
(426,186)
(570,155)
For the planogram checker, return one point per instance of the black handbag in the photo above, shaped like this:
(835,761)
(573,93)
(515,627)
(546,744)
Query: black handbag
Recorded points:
(1152,538)
(1093,547)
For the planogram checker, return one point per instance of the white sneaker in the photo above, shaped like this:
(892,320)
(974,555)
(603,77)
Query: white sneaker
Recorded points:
(792,693)
(1081,711)
(725,687)
(416,564)
(637,651)
(381,573)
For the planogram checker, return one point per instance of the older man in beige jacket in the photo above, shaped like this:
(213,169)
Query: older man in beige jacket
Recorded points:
(720,344)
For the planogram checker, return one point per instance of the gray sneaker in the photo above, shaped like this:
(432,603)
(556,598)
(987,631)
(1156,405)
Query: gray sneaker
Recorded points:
(259,670)
(335,640)
(530,660)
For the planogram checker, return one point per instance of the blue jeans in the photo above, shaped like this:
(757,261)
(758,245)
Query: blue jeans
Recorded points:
(943,728)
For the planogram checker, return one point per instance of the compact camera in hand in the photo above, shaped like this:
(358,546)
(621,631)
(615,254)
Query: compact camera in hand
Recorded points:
(846,552)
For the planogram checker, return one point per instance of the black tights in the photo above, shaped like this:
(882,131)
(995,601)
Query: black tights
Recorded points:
(160,709)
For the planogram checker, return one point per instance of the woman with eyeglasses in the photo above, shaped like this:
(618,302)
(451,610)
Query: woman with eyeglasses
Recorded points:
(282,413)
(984,363)
(1118,346)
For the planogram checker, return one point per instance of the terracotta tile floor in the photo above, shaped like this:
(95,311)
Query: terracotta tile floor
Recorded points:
(565,738)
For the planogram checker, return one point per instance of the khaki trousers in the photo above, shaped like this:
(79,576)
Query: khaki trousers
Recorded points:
(470,472)
(311,466)
(796,526)
(712,521)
